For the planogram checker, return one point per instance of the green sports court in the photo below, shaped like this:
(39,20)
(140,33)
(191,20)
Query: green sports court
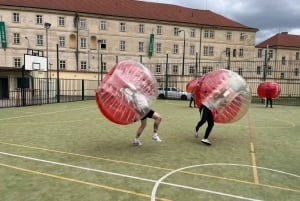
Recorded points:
(70,151)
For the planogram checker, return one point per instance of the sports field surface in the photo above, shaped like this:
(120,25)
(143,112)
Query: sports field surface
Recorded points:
(71,152)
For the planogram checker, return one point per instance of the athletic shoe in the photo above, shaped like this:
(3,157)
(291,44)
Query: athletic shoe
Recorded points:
(137,142)
(206,141)
(156,137)
(196,134)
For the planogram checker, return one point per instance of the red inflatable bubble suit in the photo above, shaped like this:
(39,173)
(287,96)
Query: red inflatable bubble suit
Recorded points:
(226,93)
(268,90)
(191,85)
(126,92)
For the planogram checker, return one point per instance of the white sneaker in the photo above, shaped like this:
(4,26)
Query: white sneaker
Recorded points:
(196,134)
(156,137)
(137,142)
(206,141)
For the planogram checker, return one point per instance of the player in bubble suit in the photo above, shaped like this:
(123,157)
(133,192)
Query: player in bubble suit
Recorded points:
(141,106)
(222,96)
(206,115)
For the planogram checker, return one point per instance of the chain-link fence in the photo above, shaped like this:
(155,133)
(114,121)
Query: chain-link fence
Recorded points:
(35,91)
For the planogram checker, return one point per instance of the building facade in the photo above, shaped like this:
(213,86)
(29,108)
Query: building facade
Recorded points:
(82,39)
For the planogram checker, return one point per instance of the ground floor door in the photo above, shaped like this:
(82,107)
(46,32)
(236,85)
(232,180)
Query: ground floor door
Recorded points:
(3,88)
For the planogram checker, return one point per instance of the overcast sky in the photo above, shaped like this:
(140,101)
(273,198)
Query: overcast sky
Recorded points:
(269,16)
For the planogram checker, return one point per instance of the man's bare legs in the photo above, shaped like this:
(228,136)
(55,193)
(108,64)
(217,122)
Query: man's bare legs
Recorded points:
(157,119)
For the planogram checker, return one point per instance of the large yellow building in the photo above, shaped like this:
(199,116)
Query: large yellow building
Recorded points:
(88,32)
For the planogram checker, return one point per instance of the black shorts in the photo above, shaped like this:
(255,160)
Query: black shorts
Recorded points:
(148,115)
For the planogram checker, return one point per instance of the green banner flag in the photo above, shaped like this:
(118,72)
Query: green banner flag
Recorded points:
(3,35)
(151,44)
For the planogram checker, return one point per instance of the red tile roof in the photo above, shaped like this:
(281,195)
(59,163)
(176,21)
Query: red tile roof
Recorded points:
(133,9)
(281,40)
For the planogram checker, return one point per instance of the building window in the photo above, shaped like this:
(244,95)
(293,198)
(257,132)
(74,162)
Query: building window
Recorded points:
(82,23)
(141,46)
(240,71)
(234,53)
(191,69)
(297,56)
(104,66)
(241,53)
(193,33)
(83,43)
(228,35)
(62,64)
(17,62)
(227,52)
(141,28)
(122,45)
(158,69)
(269,70)
(16,18)
(122,27)
(175,49)
(39,40)
(283,61)
(258,70)
(208,51)
(209,34)
(259,53)
(242,36)
(61,21)
(158,30)
(158,47)
(270,54)
(296,72)
(206,69)
(175,69)
(176,31)
(83,65)
(62,41)
(39,19)
(281,75)
(102,44)
(192,50)
(16,38)
(103,25)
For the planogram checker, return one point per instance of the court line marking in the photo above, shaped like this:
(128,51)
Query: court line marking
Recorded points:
(43,113)
(121,175)
(252,150)
(149,166)
(80,181)
(160,181)
(150,180)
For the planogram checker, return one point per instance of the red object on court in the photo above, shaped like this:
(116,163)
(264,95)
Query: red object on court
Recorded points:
(268,90)
(226,93)
(190,86)
(126,92)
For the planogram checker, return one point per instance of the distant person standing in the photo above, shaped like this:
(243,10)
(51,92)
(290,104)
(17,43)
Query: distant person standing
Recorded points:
(269,101)
(192,100)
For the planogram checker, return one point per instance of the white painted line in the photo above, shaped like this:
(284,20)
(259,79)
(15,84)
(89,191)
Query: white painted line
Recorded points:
(41,114)
(153,194)
(78,167)
(157,182)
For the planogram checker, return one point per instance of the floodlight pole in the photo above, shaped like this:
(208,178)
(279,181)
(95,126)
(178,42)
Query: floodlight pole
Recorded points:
(28,44)
(98,61)
(183,54)
(47,27)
